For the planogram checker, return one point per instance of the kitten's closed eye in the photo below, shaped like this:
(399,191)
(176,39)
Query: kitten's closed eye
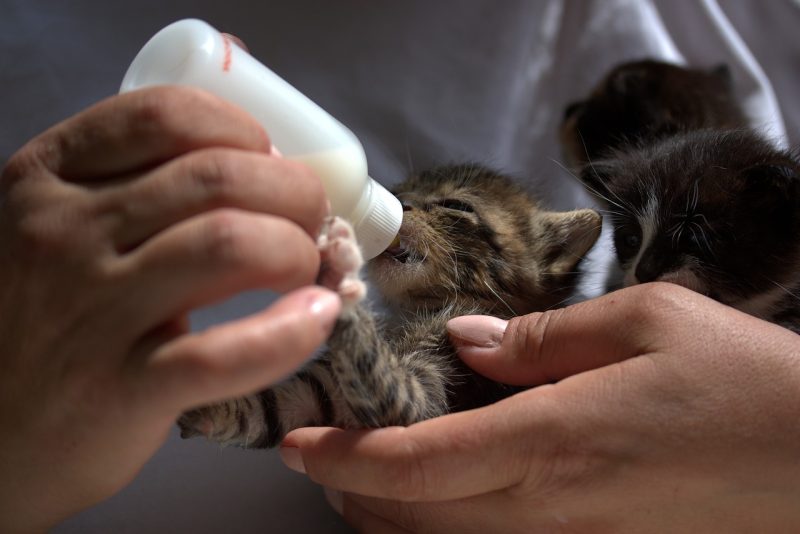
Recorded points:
(455,204)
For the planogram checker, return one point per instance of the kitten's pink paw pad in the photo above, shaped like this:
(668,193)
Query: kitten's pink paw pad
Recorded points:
(345,256)
(352,291)
(341,261)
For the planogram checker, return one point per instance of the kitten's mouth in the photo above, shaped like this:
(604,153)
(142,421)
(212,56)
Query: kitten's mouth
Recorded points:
(398,253)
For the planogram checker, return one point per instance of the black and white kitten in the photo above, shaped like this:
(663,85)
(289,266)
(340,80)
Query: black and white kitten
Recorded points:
(471,242)
(694,196)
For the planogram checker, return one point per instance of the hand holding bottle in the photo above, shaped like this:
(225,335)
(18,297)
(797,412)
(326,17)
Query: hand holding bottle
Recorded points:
(114,225)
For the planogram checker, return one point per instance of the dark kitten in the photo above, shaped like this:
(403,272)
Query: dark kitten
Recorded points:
(693,200)
(644,101)
(471,242)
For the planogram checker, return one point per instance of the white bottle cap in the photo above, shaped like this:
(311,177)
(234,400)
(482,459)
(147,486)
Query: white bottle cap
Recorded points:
(383,215)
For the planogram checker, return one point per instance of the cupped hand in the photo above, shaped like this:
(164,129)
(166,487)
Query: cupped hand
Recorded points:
(663,411)
(114,225)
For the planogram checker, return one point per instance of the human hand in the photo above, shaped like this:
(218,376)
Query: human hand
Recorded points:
(672,413)
(114,225)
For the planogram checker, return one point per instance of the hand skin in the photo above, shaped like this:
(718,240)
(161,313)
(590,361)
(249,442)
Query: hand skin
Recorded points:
(669,412)
(114,225)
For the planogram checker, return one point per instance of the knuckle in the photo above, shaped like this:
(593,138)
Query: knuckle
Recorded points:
(159,106)
(226,237)
(166,108)
(532,334)
(215,173)
(26,171)
(307,180)
(43,225)
(154,106)
(653,302)
(21,165)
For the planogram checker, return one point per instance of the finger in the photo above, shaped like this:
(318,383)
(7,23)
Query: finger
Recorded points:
(240,357)
(364,520)
(540,348)
(446,458)
(213,256)
(143,128)
(490,512)
(209,179)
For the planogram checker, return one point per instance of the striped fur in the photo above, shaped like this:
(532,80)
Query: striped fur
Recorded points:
(471,242)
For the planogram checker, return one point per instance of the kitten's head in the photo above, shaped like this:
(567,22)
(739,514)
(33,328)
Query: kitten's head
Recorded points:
(470,235)
(718,212)
(647,100)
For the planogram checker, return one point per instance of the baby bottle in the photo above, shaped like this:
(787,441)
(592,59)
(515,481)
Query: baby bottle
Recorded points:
(191,52)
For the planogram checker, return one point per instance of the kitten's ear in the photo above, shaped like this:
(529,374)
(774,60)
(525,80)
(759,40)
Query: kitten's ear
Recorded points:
(570,235)
(772,186)
(629,79)
(596,178)
(723,73)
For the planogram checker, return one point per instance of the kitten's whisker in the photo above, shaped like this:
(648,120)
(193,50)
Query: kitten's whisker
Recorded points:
(562,301)
(784,288)
(450,253)
(489,287)
(591,189)
(408,156)
(704,240)
(611,212)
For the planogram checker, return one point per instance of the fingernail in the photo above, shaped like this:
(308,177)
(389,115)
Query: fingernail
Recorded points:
(325,306)
(273,150)
(335,499)
(477,331)
(293,459)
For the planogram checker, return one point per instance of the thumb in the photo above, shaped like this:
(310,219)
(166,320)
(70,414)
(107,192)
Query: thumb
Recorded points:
(244,355)
(545,347)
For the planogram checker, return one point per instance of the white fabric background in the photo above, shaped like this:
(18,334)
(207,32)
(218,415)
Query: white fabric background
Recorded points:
(420,83)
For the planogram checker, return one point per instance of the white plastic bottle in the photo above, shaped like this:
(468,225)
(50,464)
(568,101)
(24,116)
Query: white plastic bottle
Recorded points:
(191,52)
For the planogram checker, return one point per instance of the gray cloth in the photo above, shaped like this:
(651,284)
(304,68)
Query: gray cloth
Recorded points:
(420,83)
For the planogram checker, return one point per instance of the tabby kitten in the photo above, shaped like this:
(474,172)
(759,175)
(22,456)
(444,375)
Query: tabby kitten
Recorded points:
(471,241)
(695,198)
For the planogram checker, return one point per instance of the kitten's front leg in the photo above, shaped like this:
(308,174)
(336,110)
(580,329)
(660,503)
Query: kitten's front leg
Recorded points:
(381,387)
(240,422)
(262,419)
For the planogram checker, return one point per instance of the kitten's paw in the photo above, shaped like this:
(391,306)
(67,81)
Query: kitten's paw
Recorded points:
(234,422)
(341,261)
